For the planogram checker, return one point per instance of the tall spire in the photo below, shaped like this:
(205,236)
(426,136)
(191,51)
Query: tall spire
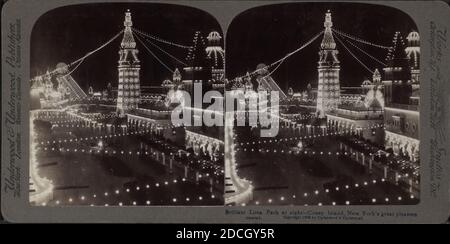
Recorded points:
(328,90)
(197,55)
(397,53)
(176,77)
(128,39)
(328,39)
(128,90)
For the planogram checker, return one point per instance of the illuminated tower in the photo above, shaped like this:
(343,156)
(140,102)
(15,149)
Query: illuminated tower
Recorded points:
(328,92)
(128,93)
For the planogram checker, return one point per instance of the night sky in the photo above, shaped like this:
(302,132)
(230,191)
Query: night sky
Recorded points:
(68,33)
(265,34)
(259,35)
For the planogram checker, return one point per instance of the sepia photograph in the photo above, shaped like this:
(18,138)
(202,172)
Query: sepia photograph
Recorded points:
(347,77)
(105,79)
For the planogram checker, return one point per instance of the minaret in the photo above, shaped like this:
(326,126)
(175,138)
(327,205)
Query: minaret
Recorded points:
(413,53)
(128,93)
(328,92)
(176,78)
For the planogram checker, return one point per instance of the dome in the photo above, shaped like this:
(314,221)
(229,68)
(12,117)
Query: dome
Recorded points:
(413,36)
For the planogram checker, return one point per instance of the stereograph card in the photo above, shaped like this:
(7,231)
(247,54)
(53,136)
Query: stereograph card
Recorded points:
(225,111)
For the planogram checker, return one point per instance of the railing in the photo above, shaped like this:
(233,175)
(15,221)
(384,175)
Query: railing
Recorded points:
(374,165)
(358,115)
(153,114)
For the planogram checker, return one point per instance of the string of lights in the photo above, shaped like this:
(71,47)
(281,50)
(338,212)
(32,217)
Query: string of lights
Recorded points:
(366,53)
(67,66)
(299,116)
(414,171)
(243,187)
(353,55)
(67,113)
(153,153)
(312,196)
(359,39)
(68,117)
(160,39)
(286,139)
(64,115)
(72,121)
(121,191)
(305,152)
(66,121)
(112,152)
(282,59)
(154,55)
(77,125)
(275,69)
(161,49)
(295,126)
(75,68)
(93,138)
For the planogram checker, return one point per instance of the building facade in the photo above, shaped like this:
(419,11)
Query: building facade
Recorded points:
(361,111)
(401,116)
